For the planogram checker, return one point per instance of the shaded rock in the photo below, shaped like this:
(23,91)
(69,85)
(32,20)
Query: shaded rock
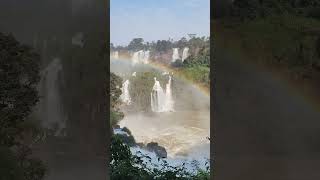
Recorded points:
(125,135)
(125,129)
(158,150)
(129,140)
(141,145)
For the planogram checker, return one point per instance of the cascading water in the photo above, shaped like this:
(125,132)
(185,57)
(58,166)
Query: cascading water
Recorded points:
(52,113)
(182,132)
(185,53)
(115,55)
(135,58)
(125,96)
(140,57)
(146,57)
(175,55)
(157,97)
(161,101)
(134,74)
(169,100)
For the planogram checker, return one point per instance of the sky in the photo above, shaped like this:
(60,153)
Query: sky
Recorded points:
(158,19)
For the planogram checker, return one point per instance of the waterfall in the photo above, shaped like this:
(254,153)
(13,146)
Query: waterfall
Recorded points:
(185,53)
(146,57)
(140,57)
(125,96)
(134,74)
(169,100)
(52,112)
(175,54)
(115,55)
(157,97)
(161,101)
(135,58)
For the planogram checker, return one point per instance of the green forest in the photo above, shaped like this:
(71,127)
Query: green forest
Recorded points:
(280,34)
(19,72)
(124,165)
(195,68)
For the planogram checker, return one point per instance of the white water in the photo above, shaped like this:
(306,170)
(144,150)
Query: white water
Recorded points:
(175,161)
(134,74)
(169,101)
(140,57)
(50,103)
(135,58)
(165,73)
(175,55)
(115,55)
(161,101)
(125,96)
(157,97)
(185,53)
(182,132)
(146,57)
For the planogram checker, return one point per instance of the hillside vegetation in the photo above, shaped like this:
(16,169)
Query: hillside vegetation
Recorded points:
(283,35)
(195,68)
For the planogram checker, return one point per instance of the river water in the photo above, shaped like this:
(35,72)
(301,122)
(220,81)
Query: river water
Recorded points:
(184,131)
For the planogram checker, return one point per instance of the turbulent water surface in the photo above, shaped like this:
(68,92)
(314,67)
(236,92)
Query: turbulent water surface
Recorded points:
(182,126)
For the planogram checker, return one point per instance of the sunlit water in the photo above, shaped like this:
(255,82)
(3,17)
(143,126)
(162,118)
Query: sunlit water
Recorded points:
(175,54)
(183,132)
(185,53)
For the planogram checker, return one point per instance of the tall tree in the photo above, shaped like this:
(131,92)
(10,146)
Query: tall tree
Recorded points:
(136,44)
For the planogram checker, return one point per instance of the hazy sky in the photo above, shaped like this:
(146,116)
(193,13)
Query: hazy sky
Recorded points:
(158,19)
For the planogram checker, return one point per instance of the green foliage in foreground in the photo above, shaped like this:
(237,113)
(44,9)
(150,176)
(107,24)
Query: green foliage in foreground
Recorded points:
(19,72)
(115,90)
(115,117)
(125,166)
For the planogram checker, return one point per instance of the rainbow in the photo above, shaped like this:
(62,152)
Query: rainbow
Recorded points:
(160,66)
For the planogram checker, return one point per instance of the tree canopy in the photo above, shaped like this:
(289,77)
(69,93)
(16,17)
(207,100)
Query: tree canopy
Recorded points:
(19,72)
(136,44)
(261,8)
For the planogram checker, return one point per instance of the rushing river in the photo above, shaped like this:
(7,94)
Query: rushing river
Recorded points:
(183,131)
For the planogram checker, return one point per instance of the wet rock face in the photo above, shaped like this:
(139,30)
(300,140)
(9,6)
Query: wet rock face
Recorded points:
(158,150)
(125,136)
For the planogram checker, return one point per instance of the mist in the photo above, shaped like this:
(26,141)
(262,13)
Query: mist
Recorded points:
(77,90)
